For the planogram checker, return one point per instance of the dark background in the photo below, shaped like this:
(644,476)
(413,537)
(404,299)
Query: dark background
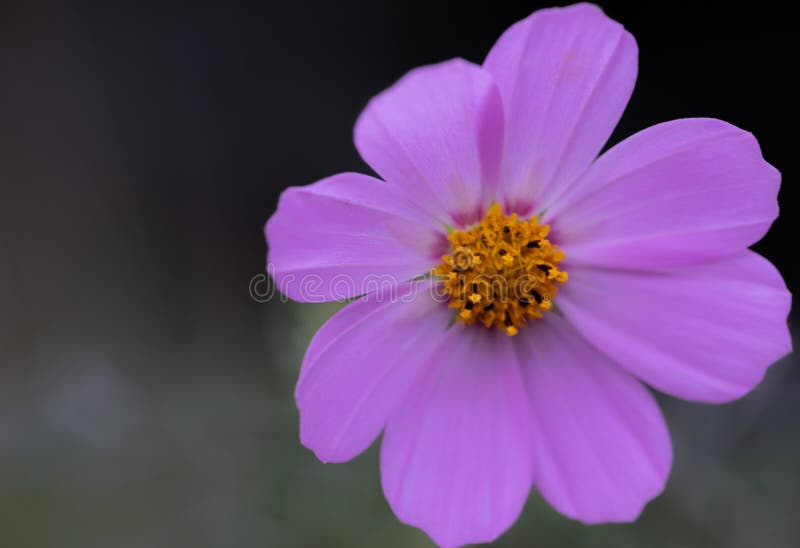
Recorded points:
(146,399)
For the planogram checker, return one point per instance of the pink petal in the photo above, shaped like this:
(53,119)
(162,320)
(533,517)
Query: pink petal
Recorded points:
(438,133)
(456,457)
(681,192)
(360,366)
(601,447)
(347,235)
(706,333)
(565,75)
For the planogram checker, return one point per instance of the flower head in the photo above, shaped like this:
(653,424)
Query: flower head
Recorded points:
(488,369)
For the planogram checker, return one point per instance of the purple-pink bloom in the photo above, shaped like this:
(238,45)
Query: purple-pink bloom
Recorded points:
(662,289)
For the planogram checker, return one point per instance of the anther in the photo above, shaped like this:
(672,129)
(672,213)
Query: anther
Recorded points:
(513,247)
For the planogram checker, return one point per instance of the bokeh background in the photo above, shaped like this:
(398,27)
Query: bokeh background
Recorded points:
(146,399)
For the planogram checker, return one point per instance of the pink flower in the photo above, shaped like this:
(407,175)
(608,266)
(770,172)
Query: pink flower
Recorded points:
(644,278)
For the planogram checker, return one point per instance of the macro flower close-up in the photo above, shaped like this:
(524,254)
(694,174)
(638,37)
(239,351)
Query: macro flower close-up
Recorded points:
(365,274)
(540,288)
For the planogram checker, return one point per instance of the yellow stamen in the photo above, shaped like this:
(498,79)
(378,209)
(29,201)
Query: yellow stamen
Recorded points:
(501,272)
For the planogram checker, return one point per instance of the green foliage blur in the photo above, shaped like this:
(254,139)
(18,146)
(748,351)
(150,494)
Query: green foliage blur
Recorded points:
(97,452)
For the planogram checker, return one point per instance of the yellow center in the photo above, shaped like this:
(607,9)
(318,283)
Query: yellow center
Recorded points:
(501,272)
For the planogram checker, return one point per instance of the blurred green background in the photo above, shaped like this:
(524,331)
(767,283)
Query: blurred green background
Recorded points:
(101,452)
(146,399)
